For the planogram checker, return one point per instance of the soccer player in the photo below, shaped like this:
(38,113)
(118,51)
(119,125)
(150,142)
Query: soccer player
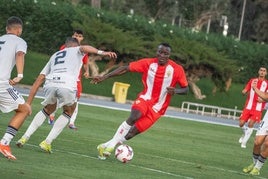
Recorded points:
(160,75)
(254,105)
(12,52)
(60,76)
(260,148)
(78,34)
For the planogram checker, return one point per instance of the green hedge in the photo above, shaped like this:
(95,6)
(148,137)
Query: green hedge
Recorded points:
(47,24)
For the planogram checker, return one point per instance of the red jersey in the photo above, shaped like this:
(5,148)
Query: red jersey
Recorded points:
(251,102)
(156,78)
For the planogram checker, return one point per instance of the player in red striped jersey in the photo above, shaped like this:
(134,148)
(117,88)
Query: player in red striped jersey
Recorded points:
(160,75)
(260,148)
(252,112)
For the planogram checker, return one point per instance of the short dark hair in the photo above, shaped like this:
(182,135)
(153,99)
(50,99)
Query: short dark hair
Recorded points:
(71,40)
(165,44)
(78,31)
(14,20)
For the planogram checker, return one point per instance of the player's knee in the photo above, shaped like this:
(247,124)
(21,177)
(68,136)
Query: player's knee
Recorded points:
(257,142)
(241,123)
(134,116)
(265,144)
(24,108)
(132,132)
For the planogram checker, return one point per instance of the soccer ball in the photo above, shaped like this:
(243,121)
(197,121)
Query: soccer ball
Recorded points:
(124,153)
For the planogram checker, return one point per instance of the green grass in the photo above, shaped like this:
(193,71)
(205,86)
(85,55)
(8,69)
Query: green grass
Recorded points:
(173,148)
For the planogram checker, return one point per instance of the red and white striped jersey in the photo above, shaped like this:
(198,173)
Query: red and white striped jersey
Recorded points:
(156,78)
(252,98)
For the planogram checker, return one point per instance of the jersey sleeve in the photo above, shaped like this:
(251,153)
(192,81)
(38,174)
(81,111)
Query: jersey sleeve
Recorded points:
(85,59)
(182,80)
(46,69)
(139,65)
(248,85)
(22,46)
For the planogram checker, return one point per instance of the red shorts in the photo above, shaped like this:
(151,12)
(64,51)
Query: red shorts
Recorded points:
(149,116)
(252,115)
(79,89)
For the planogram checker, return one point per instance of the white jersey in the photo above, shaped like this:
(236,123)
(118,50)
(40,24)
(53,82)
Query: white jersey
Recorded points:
(10,44)
(263,126)
(63,68)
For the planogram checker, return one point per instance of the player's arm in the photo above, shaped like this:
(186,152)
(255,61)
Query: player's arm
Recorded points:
(86,70)
(20,66)
(89,49)
(244,91)
(247,88)
(38,82)
(263,95)
(119,71)
(180,91)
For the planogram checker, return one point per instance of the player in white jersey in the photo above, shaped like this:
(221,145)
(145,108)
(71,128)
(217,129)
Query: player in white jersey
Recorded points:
(260,148)
(12,52)
(60,76)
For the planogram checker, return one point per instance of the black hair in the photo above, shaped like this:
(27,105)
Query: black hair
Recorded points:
(13,20)
(71,40)
(165,44)
(78,31)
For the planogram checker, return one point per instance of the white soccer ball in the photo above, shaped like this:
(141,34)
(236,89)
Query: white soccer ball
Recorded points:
(124,153)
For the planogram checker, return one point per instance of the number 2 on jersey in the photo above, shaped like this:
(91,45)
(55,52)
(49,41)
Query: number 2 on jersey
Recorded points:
(1,43)
(59,57)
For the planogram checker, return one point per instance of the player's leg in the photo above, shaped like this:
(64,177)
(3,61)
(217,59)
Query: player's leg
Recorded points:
(247,135)
(57,128)
(261,159)
(11,100)
(51,118)
(260,149)
(107,148)
(242,123)
(37,121)
(50,103)
(262,133)
(67,98)
(255,118)
(73,118)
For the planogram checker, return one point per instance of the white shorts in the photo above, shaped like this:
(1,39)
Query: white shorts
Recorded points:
(61,96)
(10,98)
(263,127)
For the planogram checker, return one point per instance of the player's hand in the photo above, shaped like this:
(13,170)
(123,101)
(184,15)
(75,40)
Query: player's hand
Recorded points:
(86,75)
(260,100)
(110,54)
(254,84)
(171,90)
(15,80)
(96,80)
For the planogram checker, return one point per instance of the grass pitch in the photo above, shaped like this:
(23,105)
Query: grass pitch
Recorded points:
(173,148)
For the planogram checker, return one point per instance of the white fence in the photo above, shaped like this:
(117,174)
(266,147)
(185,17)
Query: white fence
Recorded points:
(210,110)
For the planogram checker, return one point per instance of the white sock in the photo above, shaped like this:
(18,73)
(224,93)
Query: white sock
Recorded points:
(37,121)
(244,129)
(260,162)
(247,135)
(73,118)
(58,126)
(6,139)
(119,136)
